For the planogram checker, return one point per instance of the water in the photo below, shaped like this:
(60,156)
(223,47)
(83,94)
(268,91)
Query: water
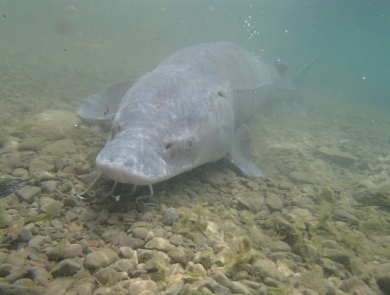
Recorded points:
(125,39)
(55,53)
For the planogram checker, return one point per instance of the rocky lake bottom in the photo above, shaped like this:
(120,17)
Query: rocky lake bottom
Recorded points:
(318,223)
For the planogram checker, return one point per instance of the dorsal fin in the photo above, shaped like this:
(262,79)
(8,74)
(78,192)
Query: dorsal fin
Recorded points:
(297,79)
(280,66)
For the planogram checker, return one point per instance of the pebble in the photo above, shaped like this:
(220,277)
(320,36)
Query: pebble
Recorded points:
(66,267)
(170,216)
(27,193)
(99,259)
(273,202)
(160,244)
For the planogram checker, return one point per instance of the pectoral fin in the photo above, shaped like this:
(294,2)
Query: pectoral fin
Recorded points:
(240,153)
(104,104)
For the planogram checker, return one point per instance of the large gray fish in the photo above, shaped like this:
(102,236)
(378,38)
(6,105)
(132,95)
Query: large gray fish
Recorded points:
(188,111)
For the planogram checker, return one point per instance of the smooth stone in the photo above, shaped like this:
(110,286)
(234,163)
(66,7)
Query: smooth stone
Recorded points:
(49,205)
(9,289)
(25,235)
(20,172)
(238,288)
(38,165)
(139,233)
(107,276)
(36,241)
(49,186)
(87,214)
(127,252)
(57,224)
(99,259)
(170,216)
(29,145)
(266,268)
(52,124)
(136,287)
(345,216)
(176,240)
(175,288)
(60,147)
(221,278)
(273,202)
(160,244)
(64,251)
(27,193)
(337,157)
(135,243)
(9,160)
(301,177)
(125,265)
(66,267)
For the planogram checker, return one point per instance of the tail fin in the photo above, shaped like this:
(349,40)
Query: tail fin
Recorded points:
(298,78)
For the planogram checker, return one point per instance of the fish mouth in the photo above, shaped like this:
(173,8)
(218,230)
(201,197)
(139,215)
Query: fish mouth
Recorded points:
(135,164)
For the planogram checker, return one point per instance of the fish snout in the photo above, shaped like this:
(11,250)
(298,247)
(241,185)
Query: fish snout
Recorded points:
(138,165)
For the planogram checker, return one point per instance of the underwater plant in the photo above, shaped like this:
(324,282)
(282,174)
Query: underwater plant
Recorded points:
(200,224)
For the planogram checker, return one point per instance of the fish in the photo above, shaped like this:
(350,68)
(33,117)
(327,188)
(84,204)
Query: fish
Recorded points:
(190,110)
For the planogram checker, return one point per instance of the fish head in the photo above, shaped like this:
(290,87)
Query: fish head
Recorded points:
(149,144)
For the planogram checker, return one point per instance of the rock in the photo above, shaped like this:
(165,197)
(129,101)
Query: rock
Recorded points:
(99,259)
(176,240)
(337,157)
(127,252)
(55,289)
(40,275)
(20,172)
(107,276)
(52,124)
(57,224)
(135,243)
(38,165)
(170,216)
(9,160)
(273,202)
(221,278)
(66,267)
(49,205)
(8,289)
(139,233)
(196,268)
(345,216)
(49,186)
(64,251)
(87,214)
(36,241)
(175,288)
(29,145)
(266,268)
(27,193)
(301,177)
(339,256)
(160,244)
(238,288)
(302,202)
(136,287)
(125,265)
(60,147)
(180,255)
(25,235)
(383,282)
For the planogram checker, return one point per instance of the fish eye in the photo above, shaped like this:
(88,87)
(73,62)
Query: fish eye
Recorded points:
(190,144)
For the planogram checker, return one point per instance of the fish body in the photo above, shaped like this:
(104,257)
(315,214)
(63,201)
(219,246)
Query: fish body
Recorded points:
(190,110)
